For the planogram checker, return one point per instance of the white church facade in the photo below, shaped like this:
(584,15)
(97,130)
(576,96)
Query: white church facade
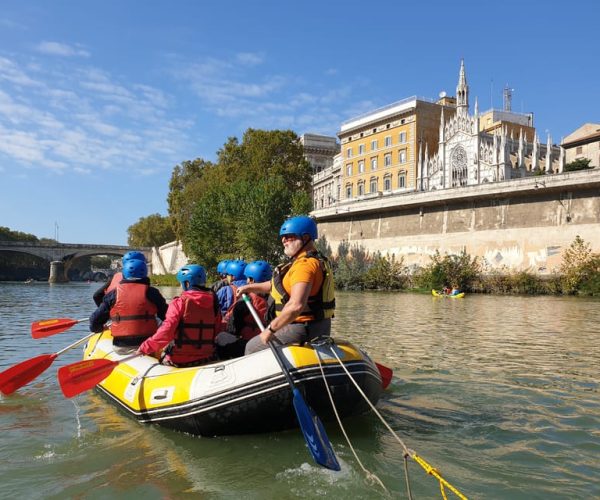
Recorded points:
(470,152)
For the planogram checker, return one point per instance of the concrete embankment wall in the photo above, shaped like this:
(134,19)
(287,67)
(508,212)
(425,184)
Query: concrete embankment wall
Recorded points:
(168,258)
(523,224)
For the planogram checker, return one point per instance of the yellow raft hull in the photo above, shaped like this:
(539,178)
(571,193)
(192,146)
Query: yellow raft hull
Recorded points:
(236,396)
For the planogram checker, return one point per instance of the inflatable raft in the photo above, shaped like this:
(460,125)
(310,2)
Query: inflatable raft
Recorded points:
(237,396)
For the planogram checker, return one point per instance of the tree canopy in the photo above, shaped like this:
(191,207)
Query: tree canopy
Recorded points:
(578,164)
(152,231)
(234,208)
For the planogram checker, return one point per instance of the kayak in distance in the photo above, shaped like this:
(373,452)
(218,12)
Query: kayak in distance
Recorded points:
(460,295)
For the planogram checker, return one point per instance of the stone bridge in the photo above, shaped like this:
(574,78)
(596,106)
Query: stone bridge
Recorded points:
(62,255)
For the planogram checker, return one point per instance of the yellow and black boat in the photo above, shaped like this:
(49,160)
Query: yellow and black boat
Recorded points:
(238,396)
(460,295)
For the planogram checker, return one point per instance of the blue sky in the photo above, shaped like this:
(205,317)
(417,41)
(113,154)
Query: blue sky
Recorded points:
(99,100)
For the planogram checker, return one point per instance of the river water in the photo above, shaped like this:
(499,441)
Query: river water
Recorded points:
(500,394)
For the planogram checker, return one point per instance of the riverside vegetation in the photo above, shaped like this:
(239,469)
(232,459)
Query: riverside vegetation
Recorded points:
(356,269)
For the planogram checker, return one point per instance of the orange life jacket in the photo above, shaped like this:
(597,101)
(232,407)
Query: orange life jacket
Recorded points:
(197,329)
(133,315)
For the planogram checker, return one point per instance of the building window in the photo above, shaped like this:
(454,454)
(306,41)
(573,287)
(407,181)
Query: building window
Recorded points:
(361,188)
(458,164)
(373,185)
(579,150)
(349,153)
(387,160)
(387,183)
(374,145)
(402,156)
(348,190)
(361,149)
(349,169)
(402,179)
(388,141)
(361,166)
(402,137)
(374,163)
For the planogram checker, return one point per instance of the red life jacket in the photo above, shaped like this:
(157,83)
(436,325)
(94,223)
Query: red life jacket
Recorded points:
(241,322)
(197,329)
(116,279)
(133,315)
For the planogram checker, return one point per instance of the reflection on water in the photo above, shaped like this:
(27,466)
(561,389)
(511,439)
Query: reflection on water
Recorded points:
(500,393)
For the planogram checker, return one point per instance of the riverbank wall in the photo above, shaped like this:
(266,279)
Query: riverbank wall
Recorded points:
(168,258)
(517,225)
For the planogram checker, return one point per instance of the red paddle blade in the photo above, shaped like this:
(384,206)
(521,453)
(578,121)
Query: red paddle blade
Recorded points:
(23,373)
(83,375)
(386,375)
(47,327)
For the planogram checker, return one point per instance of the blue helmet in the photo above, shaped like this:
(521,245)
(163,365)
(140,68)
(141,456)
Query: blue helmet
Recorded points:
(222,266)
(133,255)
(236,269)
(300,226)
(191,275)
(259,271)
(135,270)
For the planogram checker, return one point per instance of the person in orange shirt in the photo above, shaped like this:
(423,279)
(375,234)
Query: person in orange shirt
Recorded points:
(302,289)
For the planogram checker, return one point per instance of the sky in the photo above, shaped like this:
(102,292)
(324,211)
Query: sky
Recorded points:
(100,100)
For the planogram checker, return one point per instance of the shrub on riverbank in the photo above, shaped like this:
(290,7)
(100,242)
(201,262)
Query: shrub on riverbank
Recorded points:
(522,282)
(164,280)
(580,269)
(460,270)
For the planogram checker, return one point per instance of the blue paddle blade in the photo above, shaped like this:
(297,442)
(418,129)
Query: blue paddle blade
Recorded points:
(314,433)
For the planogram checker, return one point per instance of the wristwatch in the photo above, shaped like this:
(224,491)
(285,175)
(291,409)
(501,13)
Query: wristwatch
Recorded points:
(270,328)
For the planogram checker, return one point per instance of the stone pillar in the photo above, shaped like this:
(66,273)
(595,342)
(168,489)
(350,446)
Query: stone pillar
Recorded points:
(57,272)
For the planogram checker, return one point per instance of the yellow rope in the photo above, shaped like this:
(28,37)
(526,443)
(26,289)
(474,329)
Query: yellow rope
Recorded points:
(433,472)
(412,454)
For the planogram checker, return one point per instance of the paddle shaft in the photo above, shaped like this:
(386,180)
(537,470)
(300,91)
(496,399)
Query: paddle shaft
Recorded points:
(75,344)
(270,343)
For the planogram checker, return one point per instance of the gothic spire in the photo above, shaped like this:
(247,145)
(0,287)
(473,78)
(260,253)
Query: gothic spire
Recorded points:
(462,91)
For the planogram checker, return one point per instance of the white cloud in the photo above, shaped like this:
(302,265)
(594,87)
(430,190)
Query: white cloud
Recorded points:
(74,119)
(61,49)
(250,58)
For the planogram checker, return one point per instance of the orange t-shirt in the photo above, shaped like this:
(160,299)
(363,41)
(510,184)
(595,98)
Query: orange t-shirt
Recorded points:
(304,270)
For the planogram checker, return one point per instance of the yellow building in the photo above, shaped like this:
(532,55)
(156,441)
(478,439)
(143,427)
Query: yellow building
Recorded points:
(379,149)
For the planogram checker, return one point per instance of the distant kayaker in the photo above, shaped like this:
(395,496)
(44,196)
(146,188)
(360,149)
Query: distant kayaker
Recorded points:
(455,290)
(132,307)
(238,324)
(187,336)
(302,289)
(114,280)
(235,276)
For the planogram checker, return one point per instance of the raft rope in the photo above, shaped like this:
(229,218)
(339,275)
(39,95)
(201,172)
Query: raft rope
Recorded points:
(407,451)
(370,475)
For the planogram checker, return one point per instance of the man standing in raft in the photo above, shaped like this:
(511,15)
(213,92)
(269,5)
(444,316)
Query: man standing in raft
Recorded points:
(188,333)
(132,307)
(302,289)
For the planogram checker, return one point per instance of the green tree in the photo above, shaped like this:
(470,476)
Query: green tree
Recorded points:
(152,231)
(264,154)
(578,266)
(6,234)
(186,184)
(578,164)
(243,200)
